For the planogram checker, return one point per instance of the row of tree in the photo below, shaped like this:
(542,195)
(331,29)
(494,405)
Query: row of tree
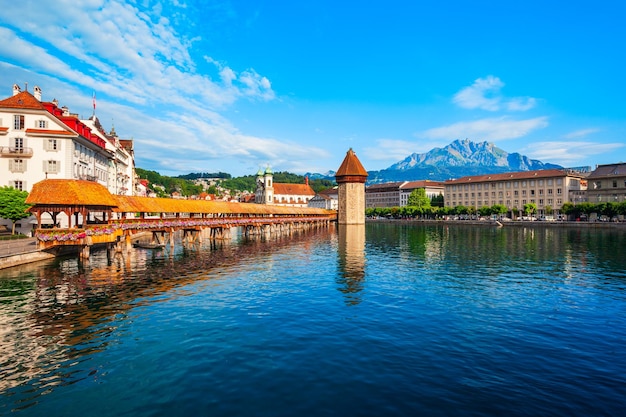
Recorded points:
(184,186)
(417,206)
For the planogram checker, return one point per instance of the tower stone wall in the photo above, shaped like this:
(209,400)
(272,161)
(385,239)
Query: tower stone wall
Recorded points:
(351,177)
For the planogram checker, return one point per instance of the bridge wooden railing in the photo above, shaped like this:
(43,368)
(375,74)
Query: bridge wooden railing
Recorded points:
(109,233)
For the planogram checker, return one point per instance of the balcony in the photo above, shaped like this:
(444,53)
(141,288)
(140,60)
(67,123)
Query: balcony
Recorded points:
(12,152)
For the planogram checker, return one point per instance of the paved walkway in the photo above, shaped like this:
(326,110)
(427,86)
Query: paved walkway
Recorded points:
(17,247)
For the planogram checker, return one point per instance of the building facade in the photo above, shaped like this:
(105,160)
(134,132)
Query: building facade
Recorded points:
(432,189)
(396,194)
(383,195)
(327,199)
(547,189)
(40,140)
(607,183)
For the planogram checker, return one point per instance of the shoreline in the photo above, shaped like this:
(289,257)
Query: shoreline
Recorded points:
(24,258)
(512,223)
(19,256)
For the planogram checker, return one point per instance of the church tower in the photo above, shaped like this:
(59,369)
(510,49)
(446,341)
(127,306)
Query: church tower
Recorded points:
(269,186)
(351,177)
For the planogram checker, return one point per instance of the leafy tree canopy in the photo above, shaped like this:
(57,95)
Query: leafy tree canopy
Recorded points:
(530,208)
(12,204)
(418,199)
(199,175)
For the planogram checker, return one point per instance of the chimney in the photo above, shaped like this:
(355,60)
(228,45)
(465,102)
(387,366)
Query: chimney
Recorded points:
(37,93)
(66,111)
(16,89)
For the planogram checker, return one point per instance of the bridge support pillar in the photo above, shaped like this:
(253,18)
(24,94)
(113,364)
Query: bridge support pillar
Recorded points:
(84,253)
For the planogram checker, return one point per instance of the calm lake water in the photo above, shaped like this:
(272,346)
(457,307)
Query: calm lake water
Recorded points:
(383,320)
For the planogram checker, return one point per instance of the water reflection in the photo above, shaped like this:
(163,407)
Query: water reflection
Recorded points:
(54,315)
(351,261)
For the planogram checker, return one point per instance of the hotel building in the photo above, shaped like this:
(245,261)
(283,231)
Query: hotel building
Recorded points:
(40,140)
(547,189)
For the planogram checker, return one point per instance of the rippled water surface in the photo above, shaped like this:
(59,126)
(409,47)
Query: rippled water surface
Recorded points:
(386,320)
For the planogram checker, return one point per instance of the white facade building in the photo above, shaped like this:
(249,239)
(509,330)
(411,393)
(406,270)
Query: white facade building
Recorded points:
(40,140)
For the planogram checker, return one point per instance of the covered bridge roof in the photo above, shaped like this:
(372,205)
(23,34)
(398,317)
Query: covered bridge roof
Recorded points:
(72,193)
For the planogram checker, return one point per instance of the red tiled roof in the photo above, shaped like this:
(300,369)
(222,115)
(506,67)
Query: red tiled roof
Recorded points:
(23,100)
(422,184)
(49,132)
(523,175)
(70,193)
(73,193)
(293,189)
(350,167)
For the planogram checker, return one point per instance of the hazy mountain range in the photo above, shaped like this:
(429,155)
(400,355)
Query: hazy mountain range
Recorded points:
(458,159)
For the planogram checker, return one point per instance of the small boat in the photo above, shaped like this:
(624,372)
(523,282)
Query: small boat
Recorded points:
(149,245)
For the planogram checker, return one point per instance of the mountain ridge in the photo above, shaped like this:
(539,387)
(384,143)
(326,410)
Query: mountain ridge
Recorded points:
(460,158)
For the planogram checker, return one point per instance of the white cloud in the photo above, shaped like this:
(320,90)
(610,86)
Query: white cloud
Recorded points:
(146,78)
(389,150)
(580,133)
(485,94)
(394,150)
(569,153)
(490,129)
(121,52)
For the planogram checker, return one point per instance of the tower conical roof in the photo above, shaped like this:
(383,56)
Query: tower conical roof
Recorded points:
(351,169)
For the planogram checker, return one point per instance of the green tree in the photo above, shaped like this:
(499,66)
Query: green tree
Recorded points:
(530,209)
(569,209)
(418,199)
(12,205)
(499,209)
(437,200)
(484,211)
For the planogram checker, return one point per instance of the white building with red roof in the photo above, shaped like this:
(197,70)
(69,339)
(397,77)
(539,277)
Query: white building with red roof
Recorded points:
(281,194)
(40,140)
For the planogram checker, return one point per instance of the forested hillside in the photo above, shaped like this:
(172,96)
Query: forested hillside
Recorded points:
(184,184)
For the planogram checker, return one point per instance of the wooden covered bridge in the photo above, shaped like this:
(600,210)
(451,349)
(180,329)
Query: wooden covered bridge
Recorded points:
(90,215)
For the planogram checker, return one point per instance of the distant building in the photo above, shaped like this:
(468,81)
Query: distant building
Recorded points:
(326,199)
(383,195)
(432,189)
(281,194)
(549,188)
(607,183)
(396,194)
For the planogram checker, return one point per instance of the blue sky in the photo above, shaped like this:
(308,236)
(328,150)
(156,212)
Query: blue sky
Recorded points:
(233,86)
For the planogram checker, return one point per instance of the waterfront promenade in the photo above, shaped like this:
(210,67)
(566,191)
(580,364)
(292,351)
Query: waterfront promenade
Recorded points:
(20,251)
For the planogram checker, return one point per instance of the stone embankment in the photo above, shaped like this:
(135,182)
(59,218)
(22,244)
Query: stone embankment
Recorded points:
(510,223)
(20,251)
